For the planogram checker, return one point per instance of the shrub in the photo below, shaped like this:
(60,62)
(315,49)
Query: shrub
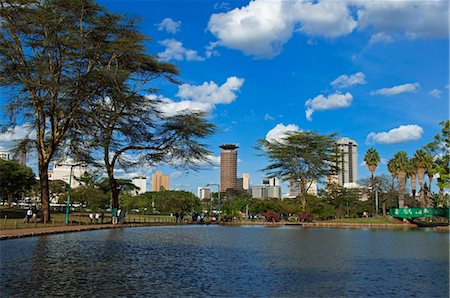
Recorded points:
(306,217)
(272,216)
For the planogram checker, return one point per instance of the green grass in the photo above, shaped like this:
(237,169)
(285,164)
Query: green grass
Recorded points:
(59,219)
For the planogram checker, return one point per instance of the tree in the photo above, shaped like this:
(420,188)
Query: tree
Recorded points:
(411,173)
(372,159)
(54,57)
(393,170)
(126,119)
(422,161)
(15,180)
(402,164)
(303,157)
(440,150)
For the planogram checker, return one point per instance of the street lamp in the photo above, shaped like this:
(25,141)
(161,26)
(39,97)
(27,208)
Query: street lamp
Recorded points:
(68,191)
(218,194)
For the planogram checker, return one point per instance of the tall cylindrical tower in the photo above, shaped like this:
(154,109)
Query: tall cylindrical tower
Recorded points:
(228,166)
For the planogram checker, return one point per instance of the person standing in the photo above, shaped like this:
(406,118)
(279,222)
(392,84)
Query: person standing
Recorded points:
(97,216)
(91,216)
(102,216)
(114,216)
(28,215)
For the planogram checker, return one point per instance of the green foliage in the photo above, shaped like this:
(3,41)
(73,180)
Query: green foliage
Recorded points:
(303,157)
(15,180)
(93,198)
(372,159)
(164,202)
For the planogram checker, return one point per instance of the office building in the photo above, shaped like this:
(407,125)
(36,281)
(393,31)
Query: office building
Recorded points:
(204,193)
(294,189)
(348,163)
(141,182)
(246,181)
(4,154)
(61,171)
(265,191)
(228,167)
(160,182)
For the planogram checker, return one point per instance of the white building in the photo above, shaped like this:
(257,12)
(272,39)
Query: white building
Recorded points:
(265,191)
(4,154)
(204,193)
(141,182)
(62,172)
(246,181)
(348,164)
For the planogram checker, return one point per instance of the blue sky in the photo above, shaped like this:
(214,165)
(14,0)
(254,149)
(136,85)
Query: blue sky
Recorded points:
(374,71)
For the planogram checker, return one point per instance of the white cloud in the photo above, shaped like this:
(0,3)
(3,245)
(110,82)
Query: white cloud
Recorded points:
(19,132)
(267,117)
(169,25)
(279,132)
(401,134)
(262,27)
(175,51)
(333,101)
(380,37)
(435,93)
(345,81)
(413,19)
(202,98)
(405,88)
(212,93)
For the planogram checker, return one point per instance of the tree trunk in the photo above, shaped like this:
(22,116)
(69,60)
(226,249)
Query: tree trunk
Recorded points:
(421,180)
(384,209)
(45,193)
(10,197)
(413,185)
(114,187)
(401,189)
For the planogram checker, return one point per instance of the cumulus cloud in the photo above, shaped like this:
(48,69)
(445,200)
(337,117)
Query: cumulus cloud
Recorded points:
(401,134)
(279,132)
(405,88)
(345,81)
(169,25)
(175,51)
(435,93)
(333,101)
(413,19)
(19,132)
(202,98)
(262,27)
(380,37)
(212,93)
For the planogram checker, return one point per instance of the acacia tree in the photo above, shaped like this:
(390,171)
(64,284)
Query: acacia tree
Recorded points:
(303,157)
(440,150)
(55,55)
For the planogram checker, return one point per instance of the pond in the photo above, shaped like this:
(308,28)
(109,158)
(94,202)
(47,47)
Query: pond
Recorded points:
(225,261)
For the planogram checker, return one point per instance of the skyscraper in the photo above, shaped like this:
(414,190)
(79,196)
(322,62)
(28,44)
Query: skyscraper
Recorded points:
(348,165)
(160,182)
(228,166)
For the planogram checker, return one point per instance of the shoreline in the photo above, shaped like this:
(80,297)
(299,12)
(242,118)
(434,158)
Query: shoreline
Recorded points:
(32,232)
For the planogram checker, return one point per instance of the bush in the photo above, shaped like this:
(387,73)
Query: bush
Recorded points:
(272,216)
(306,217)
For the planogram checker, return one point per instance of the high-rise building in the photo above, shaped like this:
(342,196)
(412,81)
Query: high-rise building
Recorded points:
(246,181)
(141,182)
(348,163)
(265,191)
(228,167)
(160,182)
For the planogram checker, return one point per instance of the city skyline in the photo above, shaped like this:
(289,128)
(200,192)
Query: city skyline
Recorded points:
(381,84)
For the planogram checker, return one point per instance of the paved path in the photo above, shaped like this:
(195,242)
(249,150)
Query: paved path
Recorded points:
(29,232)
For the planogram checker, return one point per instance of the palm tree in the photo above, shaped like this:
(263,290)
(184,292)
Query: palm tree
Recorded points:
(372,159)
(402,162)
(393,169)
(412,173)
(421,161)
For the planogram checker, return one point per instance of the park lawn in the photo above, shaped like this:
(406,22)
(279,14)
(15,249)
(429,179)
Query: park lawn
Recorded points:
(364,220)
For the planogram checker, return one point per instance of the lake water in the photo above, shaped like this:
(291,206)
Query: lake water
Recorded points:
(220,261)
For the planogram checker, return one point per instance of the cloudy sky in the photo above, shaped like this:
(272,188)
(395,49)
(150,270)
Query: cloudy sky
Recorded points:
(374,71)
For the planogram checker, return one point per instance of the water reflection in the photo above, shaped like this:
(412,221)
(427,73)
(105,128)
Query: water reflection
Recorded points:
(227,262)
